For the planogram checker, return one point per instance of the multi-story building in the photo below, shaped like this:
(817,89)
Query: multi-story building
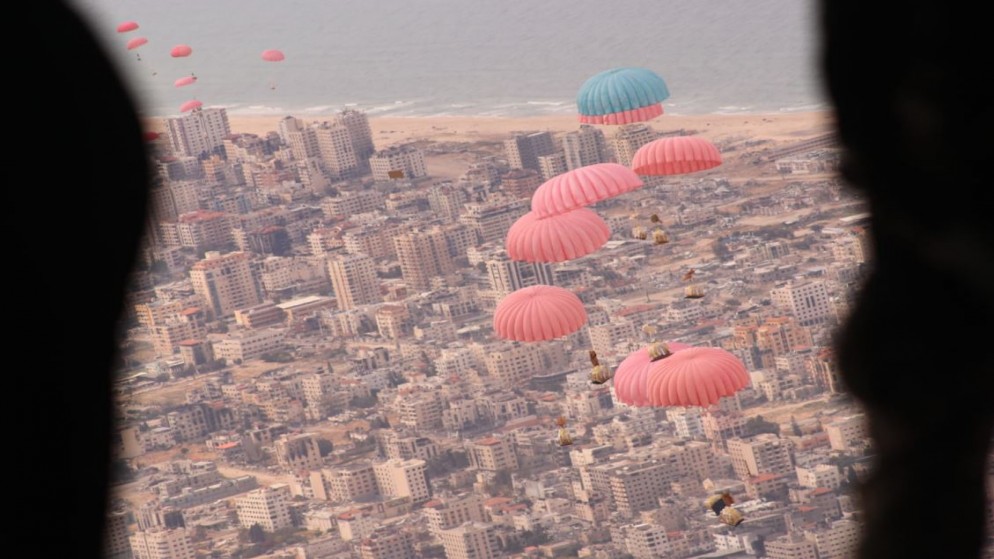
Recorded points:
(514,364)
(586,146)
(204,230)
(807,302)
(629,138)
(421,410)
(493,453)
(446,200)
(472,540)
(199,133)
(492,220)
(647,541)
(398,162)
(116,535)
(508,275)
(523,150)
(791,546)
(225,282)
(604,337)
(822,475)
(846,432)
(521,183)
(403,478)
(352,202)
(267,507)
(299,137)
(353,277)
(159,543)
(393,321)
(298,452)
(551,165)
(336,150)
(423,255)
(373,240)
(243,345)
(360,133)
(346,483)
(387,544)
(450,512)
(761,454)
(838,540)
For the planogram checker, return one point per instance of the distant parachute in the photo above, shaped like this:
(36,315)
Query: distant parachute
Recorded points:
(127,26)
(698,376)
(621,96)
(136,42)
(582,187)
(556,238)
(563,437)
(185,80)
(190,105)
(537,313)
(272,56)
(150,136)
(180,51)
(675,156)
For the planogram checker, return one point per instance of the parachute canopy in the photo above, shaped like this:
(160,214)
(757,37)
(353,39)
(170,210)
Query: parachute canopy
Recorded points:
(539,312)
(556,238)
(675,156)
(136,42)
(272,55)
(621,96)
(632,374)
(127,26)
(698,376)
(582,187)
(190,105)
(150,136)
(185,80)
(180,51)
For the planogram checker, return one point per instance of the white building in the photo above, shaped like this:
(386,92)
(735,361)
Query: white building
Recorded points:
(267,507)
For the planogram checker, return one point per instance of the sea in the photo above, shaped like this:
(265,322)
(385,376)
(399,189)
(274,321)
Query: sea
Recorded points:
(511,58)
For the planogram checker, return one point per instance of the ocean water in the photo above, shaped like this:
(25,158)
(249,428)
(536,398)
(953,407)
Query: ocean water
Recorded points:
(462,57)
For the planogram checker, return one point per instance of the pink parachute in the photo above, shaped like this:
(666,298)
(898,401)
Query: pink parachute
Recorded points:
(190,105)
(127,26)
(185,80)
(556,238)
(698,376)
(272,56)
(540,312)
(180,51)
(631,116)
(632,374)
(675,156)
(582,187)
(150,136)
(136,42)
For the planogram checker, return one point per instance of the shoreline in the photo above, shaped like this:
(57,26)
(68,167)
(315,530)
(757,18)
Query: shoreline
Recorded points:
(391,130)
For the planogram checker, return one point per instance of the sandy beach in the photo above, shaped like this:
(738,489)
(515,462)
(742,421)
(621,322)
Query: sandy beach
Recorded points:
(388,131)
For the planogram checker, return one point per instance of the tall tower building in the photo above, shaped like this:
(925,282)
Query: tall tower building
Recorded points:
(807,301)
(551,165)
(300,137)
(225,282)
(586,146)
(116,536)
(336,150)
(507,275)
(523,150)
(472,540)
(423,255)
(403,478)
(198,133)
(446,200)
(353,277)
(359,131)
(629,138)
